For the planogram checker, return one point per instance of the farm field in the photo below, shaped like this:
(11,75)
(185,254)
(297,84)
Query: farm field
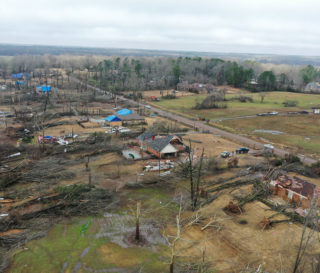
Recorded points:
(300,132)
(273,101)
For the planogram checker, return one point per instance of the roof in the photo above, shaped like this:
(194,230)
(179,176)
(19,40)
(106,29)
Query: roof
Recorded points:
(124,112)
(20,75)
(112,118)
(146,135)
(313,85)
(158,144)
(132,116)
(298,185)
(316,107)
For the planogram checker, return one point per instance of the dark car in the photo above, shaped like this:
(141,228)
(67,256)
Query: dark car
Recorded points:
(242,150)
(304,112)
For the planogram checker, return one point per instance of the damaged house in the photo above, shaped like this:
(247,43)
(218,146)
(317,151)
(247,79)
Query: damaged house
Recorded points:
(295,190)
(161,146)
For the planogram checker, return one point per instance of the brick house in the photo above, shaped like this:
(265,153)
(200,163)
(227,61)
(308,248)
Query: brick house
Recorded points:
(295,190)
(161,146)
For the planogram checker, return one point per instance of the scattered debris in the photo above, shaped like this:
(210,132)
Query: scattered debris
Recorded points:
(273,132)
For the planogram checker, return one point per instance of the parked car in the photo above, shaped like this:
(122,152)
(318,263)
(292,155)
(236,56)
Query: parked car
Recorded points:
(242,150)
(148,106)
(273,113)
(225,154)
(268,146)
(304,112)
(262,114)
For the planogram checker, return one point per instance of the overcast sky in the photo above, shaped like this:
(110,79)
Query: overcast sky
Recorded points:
(248,26)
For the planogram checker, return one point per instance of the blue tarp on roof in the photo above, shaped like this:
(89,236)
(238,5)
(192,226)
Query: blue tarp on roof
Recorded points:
(20,75)
(44,88)
(20,82)
(112,118)
(124,112)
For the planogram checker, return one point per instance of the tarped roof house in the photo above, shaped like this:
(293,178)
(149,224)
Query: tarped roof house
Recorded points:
(20,75)
(124,112)
(112,118)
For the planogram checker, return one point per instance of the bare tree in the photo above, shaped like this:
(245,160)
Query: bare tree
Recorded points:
(311,221)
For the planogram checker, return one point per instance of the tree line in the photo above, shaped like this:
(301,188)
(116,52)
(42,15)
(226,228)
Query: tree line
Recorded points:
(118,74)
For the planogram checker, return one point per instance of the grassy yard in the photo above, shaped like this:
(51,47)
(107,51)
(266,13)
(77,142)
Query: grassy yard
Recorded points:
(100,244)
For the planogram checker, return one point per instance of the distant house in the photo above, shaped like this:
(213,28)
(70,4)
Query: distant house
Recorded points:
(198,87)
(21,76)
(133,118)
(316,110)
(124,117)
(295,190)
(313,87)
(161,146)
(124,112)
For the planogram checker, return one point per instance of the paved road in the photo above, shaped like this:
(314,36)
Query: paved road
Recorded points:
(204,127)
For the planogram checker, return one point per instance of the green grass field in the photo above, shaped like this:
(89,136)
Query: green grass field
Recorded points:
(302,132)
(299,131)
(272,101)
(74,243)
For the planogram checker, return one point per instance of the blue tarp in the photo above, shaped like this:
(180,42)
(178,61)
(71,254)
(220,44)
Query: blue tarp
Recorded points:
(48,137)
(44,88)
(124,112)
(112,118)
(20,82)
(20,75)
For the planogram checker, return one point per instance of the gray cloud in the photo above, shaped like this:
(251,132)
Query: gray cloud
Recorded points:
(257,26)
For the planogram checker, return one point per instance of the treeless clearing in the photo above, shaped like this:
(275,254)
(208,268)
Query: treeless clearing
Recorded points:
(233,246)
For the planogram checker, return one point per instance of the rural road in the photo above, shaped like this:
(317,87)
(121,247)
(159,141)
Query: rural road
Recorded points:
(204,127)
